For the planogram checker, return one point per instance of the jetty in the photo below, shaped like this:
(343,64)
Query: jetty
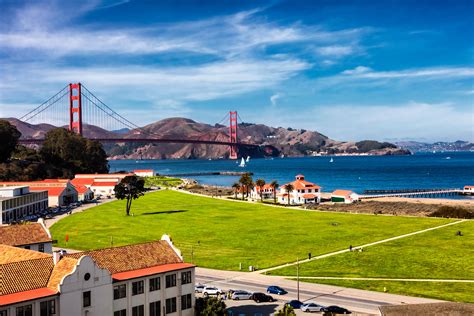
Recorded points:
(429,193)
(212,173)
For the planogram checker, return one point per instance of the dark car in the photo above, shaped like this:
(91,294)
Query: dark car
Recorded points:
(295,304)
(276,290)
(336,310)
(262,297)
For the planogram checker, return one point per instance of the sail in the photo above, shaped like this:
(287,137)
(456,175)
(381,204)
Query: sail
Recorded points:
(248,159)
(242,162)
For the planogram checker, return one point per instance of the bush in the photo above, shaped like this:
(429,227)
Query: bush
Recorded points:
(210,306)
(453,212)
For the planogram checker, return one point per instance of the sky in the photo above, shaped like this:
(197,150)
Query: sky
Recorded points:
(352,70)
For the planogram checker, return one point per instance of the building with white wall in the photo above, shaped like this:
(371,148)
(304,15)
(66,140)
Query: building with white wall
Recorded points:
(266,190)
(17,202)
(32,236)
(144,172)
(143,279)
(344,196)
(303,192)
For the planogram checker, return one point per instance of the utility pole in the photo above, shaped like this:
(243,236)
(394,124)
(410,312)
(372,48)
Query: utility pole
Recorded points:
(298,277)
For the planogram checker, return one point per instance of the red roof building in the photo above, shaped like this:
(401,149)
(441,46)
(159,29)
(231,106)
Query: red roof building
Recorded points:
(303,192)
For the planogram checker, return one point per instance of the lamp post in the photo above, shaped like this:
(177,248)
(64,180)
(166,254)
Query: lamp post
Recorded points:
(298,278)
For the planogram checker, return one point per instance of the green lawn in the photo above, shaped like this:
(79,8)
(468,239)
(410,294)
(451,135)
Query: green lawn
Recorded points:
(451,291)
(162,181)
(438,254)
(221,234)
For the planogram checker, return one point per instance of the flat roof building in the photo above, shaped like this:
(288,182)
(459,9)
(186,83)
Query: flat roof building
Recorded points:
(17,203)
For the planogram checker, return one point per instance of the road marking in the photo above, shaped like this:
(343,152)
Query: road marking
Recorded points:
(355,248)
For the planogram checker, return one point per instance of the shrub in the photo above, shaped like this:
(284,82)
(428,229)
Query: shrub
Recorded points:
(453,212)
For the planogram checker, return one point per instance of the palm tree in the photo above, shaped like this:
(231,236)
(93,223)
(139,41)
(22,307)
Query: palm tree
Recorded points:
(289,188)
(260,183)
(246,182)
(274,186)
(236,187)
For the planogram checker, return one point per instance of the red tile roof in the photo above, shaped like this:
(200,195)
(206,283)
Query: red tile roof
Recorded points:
(81,189)
(24,234)
(309,196)
(82,181)
(52,191)
(26,296)
(143,170)
(469,187)
(150,271)
(104,183)
(342,193)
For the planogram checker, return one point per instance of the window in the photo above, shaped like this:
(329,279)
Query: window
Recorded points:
(138,310)
(154,284)
(155,308)
(137,287)
(26,310)
(86,299)
(120,291)
(186,277)
(47,308)
(186,301)
(170,280)
(27,247)
(3,313)
(122,312)
(170,305)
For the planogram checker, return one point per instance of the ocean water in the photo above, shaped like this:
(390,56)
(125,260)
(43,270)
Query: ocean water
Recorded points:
(357,173)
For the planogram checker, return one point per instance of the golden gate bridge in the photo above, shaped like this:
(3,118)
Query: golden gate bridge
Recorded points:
(77,108)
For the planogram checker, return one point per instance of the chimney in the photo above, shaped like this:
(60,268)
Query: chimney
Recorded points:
(56,257)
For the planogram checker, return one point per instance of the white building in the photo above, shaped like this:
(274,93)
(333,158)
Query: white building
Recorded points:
(136,280)
(267,192)
(345,196)
(468,189)
(303,192)
(17,202)
(33,236)
(144,173)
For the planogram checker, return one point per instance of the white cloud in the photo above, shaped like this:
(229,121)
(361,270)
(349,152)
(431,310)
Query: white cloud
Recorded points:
(439,72)
(336,51)
(357,70)
(274,98)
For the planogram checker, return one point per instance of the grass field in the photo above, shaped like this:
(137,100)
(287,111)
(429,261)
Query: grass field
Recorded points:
(458,292)
(438,254)
(161,181)
(221,234)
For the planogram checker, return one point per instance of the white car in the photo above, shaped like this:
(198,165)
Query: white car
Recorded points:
(241,295)
(210,290)
(311,307)
(198,288)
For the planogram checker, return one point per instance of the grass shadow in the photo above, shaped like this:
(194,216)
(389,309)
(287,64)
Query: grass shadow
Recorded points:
(165,212)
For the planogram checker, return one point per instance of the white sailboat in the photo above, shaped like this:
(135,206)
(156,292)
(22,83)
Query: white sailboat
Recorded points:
(242,163)
(248,159)
(332,160)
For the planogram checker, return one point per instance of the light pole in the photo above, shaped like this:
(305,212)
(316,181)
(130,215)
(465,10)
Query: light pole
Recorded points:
(298,278)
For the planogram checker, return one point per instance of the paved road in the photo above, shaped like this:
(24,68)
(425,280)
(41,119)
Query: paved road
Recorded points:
(352,299)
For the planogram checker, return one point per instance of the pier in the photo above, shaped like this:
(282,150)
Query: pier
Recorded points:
(212,173)
(429,193)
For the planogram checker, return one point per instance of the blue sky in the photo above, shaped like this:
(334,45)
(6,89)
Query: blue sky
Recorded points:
(386,70)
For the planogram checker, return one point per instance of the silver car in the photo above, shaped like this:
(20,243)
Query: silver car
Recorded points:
(199,288)
(311,307)
(241,295)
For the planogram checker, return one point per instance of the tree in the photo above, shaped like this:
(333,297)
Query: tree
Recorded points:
(274,186)
(289,188)
(260,183)
(286,311)
(130,188)
(9,136)
(210,306)
(236,187)
(69,153)
(246,183)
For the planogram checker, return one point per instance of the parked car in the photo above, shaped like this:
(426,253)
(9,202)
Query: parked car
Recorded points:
(241,295)
(294,303)
(312,307)
(276,290)
(199,288)
(210,290)
(336,310)
(262,297)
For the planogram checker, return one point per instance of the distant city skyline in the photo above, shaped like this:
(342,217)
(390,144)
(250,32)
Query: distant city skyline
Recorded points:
(388,70)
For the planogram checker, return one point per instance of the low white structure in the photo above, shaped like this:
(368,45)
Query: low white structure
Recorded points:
(267,192)
(136,280)
(33,236)
(144,173)
(344,196)
(304,192)
(468,189)
(17,202)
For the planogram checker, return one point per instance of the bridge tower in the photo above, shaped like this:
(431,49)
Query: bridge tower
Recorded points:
(233,134)
(75,108)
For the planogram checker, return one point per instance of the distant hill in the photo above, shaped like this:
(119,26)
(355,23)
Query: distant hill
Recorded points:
(459,145)
(274,141)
